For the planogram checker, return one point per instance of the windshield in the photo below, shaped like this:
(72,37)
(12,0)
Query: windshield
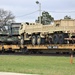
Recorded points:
(5,29)
(15,30)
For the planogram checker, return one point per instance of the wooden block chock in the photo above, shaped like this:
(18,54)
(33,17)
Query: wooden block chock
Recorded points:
(71,57)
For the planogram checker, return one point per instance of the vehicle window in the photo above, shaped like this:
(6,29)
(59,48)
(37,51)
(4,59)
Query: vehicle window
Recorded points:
(15,29)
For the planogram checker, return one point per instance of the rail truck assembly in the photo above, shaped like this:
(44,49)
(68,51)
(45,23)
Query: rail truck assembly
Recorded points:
(60,32)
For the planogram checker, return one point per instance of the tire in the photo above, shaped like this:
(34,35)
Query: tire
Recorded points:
(33,40)
(18,42)
(61,38)
(50,39)
(38,40)
(22,40)
(55,39)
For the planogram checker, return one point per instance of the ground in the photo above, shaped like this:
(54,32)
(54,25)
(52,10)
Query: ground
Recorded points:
(43,65)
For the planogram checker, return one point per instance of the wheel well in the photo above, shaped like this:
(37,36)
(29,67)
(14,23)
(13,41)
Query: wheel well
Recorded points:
(22,34)
(58,32)
(36,34)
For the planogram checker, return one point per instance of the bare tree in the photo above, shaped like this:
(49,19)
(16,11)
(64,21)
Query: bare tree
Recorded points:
(6,17)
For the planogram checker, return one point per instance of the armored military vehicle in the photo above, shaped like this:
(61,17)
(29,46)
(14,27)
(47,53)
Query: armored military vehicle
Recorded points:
(61,31)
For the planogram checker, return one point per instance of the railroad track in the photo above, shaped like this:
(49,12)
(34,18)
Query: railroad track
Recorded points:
(38,54)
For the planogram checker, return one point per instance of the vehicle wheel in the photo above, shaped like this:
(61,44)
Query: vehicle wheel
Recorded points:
(18,42)
(38,40)
(33,40)
(22,40)
(61,38)
(55,39)
(50,39)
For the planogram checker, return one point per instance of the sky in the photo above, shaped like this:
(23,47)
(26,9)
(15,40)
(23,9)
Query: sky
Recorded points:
(27,10)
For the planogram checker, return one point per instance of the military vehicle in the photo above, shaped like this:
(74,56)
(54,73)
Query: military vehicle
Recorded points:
(60,32)
(9,34)
(3,33)
(30,32)
(15,33)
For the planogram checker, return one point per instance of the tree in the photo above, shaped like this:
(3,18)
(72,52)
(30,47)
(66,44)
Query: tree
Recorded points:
(67,17)
(6,17)
(46,18)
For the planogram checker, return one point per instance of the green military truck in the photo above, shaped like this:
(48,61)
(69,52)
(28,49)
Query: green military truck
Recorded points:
(3,34)
(15,37)
(9,34)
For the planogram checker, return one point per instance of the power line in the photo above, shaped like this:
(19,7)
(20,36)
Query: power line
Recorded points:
(47,11)
(27,14)
(61,11)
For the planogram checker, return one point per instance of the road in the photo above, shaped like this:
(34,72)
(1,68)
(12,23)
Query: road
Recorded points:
(8,73)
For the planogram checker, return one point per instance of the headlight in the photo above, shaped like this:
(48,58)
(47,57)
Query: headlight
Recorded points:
(19,37)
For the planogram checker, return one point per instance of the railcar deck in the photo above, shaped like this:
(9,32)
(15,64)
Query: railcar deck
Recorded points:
(39,47)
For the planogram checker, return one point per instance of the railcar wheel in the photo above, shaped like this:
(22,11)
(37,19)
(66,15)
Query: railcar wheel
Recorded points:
(38,40)
(22,40)
(55,39)
(24,50)
(61,38)
(33,40)
(3,50)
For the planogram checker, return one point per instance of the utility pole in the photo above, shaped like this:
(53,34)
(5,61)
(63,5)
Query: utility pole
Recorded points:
(37,2)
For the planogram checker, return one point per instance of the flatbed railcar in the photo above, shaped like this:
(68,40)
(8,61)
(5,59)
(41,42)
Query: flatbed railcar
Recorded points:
(37,37)
(39,48)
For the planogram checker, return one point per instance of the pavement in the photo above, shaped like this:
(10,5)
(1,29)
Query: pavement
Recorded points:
(8,73)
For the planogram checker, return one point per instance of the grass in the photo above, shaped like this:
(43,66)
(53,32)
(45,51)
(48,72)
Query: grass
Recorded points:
(43,65)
